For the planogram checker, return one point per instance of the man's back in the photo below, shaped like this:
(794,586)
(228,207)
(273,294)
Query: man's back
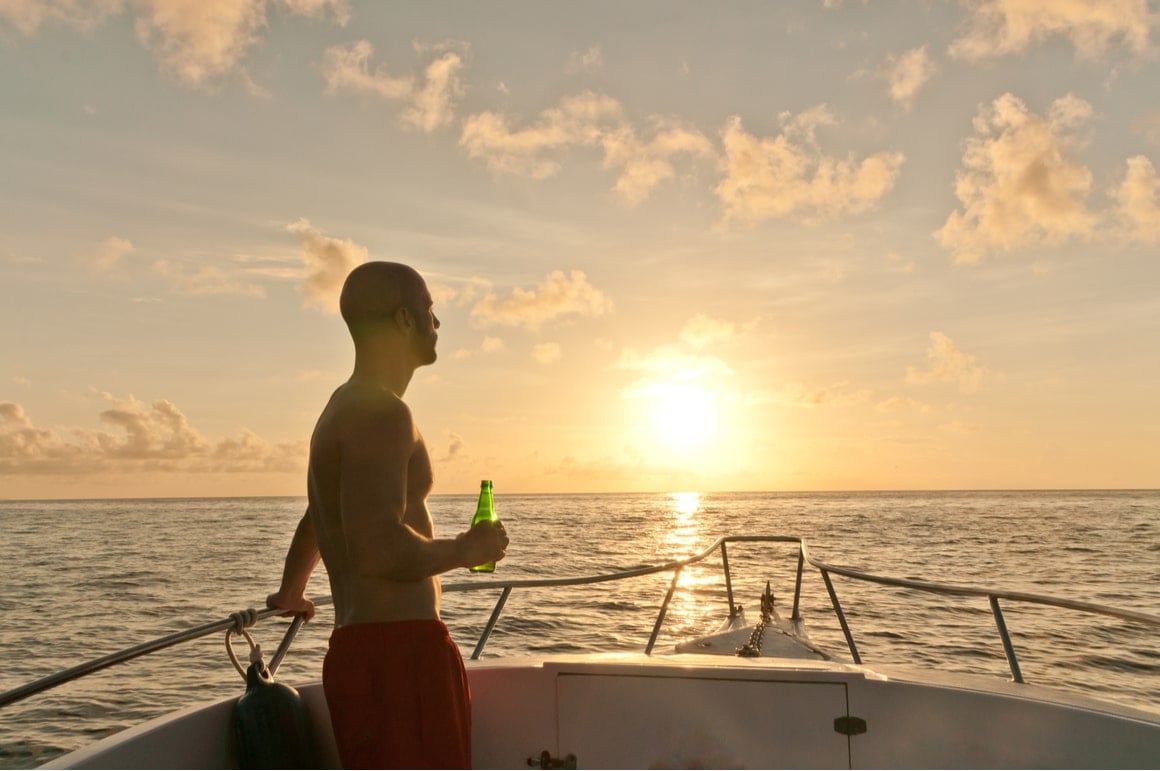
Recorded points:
(370,473)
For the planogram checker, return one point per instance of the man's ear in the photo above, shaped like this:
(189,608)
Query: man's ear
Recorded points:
(404,319)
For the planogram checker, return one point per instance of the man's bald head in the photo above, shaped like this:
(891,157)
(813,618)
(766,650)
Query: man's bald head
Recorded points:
(374,292)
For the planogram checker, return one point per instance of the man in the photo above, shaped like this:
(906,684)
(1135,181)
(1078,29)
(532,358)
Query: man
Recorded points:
(394,680)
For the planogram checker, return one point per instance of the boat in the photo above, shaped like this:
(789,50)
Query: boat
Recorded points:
(751,694)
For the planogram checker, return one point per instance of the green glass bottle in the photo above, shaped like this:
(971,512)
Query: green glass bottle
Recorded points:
(484,512)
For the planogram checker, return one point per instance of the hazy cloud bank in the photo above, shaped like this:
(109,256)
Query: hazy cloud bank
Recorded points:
(142,437)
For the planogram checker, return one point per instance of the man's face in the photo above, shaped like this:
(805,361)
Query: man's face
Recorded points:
(426,324)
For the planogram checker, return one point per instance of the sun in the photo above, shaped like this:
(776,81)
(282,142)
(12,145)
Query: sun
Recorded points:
(684,416)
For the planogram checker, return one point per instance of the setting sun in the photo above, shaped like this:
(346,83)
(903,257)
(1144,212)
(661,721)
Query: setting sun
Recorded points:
(684,416)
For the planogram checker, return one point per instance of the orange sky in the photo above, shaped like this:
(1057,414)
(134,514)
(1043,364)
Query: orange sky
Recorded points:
(673,246)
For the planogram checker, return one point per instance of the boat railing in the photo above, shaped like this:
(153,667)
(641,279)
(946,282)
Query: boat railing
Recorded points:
(237,622)
(675,567)
(992,595)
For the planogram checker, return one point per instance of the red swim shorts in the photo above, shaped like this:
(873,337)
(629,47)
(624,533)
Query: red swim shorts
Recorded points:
(398,696)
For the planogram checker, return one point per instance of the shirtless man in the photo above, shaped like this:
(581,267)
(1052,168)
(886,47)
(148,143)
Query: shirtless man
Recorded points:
(394,680)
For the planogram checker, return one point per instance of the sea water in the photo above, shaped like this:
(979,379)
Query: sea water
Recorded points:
(80,579)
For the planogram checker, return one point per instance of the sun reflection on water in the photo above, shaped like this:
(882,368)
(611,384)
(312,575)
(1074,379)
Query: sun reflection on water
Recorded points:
(696,595)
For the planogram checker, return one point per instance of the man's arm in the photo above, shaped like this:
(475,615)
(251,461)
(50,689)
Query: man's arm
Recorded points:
(376,454)
(301,559)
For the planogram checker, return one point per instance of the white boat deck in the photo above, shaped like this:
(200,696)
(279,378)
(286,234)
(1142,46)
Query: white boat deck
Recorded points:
(705,711)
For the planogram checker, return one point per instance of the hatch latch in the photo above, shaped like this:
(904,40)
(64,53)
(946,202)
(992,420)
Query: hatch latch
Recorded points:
(545,760)
(849,725)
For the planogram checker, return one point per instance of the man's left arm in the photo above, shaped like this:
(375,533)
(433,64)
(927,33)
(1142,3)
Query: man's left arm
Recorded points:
(301,559)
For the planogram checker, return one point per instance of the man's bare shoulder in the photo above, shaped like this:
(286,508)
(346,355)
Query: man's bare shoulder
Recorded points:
(356,411)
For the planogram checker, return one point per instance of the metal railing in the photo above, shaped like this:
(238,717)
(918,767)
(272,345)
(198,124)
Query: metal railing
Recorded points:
(506,588)
(992,595)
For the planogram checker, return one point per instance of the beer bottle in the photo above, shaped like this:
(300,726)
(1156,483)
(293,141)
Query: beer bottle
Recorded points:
(484,512)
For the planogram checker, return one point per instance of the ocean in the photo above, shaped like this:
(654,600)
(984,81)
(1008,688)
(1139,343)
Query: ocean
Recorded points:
(80,579)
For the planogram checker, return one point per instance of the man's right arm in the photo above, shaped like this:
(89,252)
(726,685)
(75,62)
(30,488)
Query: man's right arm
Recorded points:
(376,455)
(301,559)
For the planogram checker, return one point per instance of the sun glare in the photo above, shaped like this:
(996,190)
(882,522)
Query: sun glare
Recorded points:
(684,416)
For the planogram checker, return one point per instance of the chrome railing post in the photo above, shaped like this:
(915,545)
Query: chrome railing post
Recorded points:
(841,616)
(1008,648)
(284,646)
(664,609)
(728,581)
(491,623)
(797,587)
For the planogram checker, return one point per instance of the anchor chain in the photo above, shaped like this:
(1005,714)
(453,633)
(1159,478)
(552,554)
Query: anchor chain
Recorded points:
(752,648)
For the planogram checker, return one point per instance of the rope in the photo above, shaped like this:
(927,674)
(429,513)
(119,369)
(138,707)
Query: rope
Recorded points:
(243,619)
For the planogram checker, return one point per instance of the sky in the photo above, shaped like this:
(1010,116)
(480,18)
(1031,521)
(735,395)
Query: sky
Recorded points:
(673,245)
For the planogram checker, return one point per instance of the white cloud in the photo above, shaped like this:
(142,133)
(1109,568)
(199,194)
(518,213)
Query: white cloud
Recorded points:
(455,446)
(547,353)
(144,437)
(560,295)
(27,16)
(948,364)
(586,61)
(1000,27)
(1148,126)
(789,176)
(581,120)
(205,280)
(429,103)
(328,262)
(197,41)
(800,395)
(894,403)
(644,164)
(908,73)
(1138,200)
(702,330)
(670,363)
(1018,185)
(111,254)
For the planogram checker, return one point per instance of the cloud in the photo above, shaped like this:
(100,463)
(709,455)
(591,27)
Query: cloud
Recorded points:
(581,120)
(1139,205)
(1001,27)
(908,73)
(328,261)
(112,252)
(644,164)
(1148,126)
(205,280)
(701,330)
(788,176)
(197,41)
(901,402)
(560,295)
(428,104)
(26,16)
(1017,185)
(488,345)
(948,364)
(641,160)
(670,363)
(144,437)
(455,445)
(546,353)
(586,61)
(799,395)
